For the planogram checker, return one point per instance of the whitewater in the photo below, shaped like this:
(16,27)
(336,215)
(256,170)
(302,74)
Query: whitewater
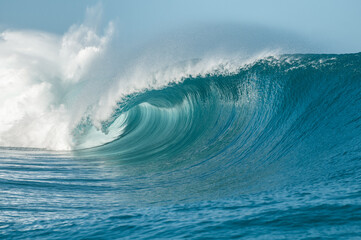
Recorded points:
(216,144)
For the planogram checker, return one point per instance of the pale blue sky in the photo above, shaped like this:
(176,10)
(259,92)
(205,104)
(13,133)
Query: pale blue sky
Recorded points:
(336,25)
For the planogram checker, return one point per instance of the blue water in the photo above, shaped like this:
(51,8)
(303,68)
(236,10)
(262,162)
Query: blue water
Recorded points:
(271,151)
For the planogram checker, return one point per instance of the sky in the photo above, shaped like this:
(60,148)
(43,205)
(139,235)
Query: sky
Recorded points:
(332,25)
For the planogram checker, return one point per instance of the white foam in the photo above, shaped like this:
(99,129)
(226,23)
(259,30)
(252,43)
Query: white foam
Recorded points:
(37,70)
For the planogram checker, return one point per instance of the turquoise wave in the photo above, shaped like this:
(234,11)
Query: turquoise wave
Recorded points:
(280,120)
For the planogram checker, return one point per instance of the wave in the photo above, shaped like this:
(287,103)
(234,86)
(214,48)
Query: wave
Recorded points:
(70,93)
(276,108)
(275,122)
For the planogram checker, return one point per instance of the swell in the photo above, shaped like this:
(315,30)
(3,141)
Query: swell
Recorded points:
(276,121)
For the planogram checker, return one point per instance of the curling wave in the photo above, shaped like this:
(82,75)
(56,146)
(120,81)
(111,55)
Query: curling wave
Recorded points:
(257,125)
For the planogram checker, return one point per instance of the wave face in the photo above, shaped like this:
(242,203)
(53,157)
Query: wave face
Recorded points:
(268,148)
(288,119)
(271,109)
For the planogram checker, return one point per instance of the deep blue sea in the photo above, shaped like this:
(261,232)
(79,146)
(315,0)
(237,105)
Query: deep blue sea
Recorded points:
(269,150)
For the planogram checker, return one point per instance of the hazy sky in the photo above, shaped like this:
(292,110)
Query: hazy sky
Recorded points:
(336,25)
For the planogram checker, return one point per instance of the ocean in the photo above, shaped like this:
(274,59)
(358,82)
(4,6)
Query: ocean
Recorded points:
(269,148)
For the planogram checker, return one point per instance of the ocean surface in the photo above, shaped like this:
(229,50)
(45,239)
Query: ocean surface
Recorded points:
(269,148)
